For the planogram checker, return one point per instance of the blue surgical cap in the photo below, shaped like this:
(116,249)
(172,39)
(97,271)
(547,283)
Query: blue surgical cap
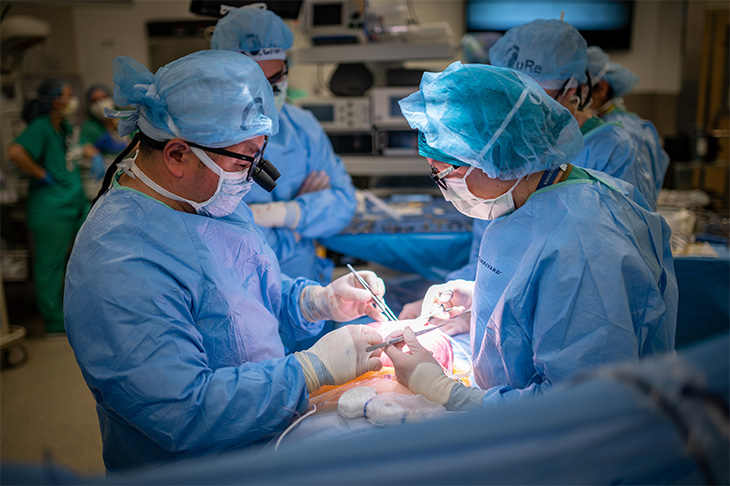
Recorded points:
(213,98)
(260,34)
(496,119)
(549,51)
(621,79)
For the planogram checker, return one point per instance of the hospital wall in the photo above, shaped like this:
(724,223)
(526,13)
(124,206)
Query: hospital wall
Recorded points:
(87,37)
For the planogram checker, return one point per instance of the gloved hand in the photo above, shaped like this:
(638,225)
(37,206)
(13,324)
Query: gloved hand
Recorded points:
(98,169)
(46,180)
(279,214)
(420,372)
(342,300)
(315,181)
(410,310)
(454,294)
(340,356)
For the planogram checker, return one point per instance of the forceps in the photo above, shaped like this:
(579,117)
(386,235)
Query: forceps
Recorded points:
(380,302)
(418,333)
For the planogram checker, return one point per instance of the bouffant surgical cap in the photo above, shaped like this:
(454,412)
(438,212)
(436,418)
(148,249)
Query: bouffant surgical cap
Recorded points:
(621,79)
(260,34)
(212,98)
(549,51)
(496,119)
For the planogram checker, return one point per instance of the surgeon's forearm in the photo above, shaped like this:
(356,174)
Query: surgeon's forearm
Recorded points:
(465,398)
(20,157)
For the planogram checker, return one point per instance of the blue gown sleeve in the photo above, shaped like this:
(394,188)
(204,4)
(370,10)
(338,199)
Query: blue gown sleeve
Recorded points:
(469,271)
(145,362)
(327,212)
(572,307)
(292,324)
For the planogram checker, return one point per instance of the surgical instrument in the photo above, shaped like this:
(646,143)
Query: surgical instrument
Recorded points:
(400,339)
(380,303)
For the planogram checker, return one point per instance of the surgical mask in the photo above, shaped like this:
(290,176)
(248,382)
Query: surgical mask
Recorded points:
(232,186)
(71,106)
(458,193)
(280,93)
(97,107)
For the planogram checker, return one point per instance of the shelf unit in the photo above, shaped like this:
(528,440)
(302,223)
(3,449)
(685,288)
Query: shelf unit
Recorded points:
(375,52)
(363,165)
(378,53)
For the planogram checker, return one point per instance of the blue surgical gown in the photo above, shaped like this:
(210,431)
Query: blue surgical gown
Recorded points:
(653,157)
(174,319)
(581,275)
(298,149)
(469,271)
(610,149)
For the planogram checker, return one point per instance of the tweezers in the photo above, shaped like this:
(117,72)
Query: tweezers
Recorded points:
(380,302)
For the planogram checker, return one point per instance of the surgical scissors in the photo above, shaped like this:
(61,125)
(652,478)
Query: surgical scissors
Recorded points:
(380,302)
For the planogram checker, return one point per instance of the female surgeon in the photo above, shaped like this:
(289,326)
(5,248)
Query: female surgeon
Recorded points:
(56,202)
(573,272)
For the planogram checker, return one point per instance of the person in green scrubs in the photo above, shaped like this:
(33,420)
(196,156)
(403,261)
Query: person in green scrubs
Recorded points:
(56,204)
(99,136)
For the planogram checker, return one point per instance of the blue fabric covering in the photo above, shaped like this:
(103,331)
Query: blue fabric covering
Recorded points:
(174,319)
(251,30)
(498,120)
(185,93)
(431,244)
(610,149)
(300,148)
(578,277)
(604,428)
(546,50)
(469,271)
(653,159)
(704,296)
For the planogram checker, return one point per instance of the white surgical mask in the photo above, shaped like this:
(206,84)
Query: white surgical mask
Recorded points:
(470,205)
(280,93)
(97,107)
(232,186)
(71,106)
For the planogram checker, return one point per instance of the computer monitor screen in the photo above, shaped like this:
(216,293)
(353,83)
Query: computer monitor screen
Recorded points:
(326,14)
(603,23)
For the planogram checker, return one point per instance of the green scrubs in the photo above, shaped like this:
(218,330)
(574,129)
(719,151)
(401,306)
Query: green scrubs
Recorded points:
(91,131)
(54,214)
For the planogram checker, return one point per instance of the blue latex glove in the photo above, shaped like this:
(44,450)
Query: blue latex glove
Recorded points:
(98,169)
(47,180)
(108,144)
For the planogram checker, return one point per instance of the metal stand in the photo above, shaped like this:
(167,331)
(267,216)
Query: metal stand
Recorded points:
(12,347)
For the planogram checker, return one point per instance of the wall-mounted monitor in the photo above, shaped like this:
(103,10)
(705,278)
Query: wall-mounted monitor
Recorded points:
(603,23)
(286,9)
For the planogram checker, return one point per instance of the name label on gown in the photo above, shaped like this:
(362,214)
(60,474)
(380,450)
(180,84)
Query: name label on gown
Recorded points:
(495,270)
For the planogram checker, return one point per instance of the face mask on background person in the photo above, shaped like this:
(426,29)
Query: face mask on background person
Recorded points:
(97,107)
(71,106)
(470,205)
(232,186)
(280,93)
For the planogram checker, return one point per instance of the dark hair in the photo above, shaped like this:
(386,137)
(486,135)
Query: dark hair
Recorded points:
(41,103)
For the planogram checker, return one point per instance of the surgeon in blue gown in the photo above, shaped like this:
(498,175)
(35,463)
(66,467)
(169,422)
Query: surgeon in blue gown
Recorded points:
(611,81)
(174,303)
(314,197)
(574,271)
(553,53)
